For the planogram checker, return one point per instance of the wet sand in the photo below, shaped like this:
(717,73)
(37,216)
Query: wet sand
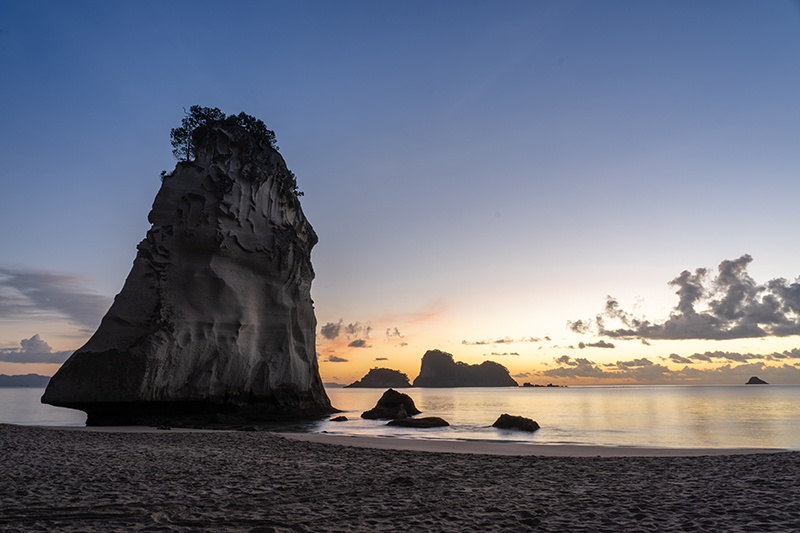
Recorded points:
(81,480)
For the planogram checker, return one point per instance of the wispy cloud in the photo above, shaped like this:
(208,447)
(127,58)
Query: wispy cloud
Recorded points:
(33,350)
(336,359)
(504,340)
(32,294)
(731,305)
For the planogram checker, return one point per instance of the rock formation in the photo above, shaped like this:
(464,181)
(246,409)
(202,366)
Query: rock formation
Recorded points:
(381,378)
(506,421)
(392,405)
(755,380)
(421,423)
(438,369)
(215,322)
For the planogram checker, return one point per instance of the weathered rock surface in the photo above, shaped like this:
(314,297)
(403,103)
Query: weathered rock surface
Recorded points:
(506,421)
(422,423)
(438,369)
(756,381)
(381,378)
(215,322)
(392,405)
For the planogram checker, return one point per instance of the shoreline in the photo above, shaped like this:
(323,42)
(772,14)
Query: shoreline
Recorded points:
(474,447)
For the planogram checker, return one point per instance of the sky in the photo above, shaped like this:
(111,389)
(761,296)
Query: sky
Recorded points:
(585,192)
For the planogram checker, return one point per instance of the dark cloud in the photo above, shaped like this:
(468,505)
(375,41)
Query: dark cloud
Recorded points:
(522,375)
(33,350)
(28,293)
(675,358)
(359,343)
(636,363)
(729,306)
(357,329)
(402,344)
(331,330)
(598,344)
(336,359)
(381,358)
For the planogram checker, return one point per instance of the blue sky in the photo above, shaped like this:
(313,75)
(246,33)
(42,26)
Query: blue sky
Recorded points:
(476,171)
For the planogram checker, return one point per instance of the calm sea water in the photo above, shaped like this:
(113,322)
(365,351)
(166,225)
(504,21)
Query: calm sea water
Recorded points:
(650,416)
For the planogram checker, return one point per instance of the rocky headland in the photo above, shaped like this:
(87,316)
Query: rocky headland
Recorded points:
(439,369)
(215,322)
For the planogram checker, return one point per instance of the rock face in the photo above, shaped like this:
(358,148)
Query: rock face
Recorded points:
(392,405)
(438,369)
(506,421)
(756,381)
(380,378)
(215,321)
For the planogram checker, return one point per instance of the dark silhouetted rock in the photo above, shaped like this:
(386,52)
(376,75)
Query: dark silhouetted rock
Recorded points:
(340,418)
(438,369)
(215,323)
(424,422)
(392,405)
(756,381)
(520,423)
(381,378)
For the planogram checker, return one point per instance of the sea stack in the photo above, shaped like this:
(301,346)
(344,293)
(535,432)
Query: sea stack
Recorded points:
(215,323)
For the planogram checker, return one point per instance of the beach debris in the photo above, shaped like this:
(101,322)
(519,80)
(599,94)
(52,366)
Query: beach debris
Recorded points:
(755,380)
(391,406)
(506,421)
(424,422)
(215,321)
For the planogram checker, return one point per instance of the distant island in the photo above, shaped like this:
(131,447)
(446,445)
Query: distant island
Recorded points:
(381,378)
(27,380)
(755,380)
(439,369)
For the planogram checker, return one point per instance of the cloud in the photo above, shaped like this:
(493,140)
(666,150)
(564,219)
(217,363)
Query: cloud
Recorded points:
(730,305)
(33,350)
(357,329)
(359,343)
(402,344)
(381,358)
(336,359)
(393,333)
(675,358)
(29,293)
(502,354)
(644,370)
(504,340)
(522,375)
(331,330)
(598,344)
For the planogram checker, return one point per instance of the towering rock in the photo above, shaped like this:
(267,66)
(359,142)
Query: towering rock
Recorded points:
(215,322)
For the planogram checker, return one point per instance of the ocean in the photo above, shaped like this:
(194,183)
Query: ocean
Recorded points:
(736,416)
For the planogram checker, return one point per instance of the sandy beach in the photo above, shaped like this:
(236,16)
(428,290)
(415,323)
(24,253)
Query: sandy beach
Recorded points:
(168,480)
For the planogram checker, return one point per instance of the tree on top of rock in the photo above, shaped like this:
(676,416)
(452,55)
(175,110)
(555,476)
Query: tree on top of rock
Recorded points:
(188,137)
(198,121)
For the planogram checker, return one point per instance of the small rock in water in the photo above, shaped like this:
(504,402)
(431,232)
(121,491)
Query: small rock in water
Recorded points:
(339,419)
(520,423)
(391,406)
(425,422)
